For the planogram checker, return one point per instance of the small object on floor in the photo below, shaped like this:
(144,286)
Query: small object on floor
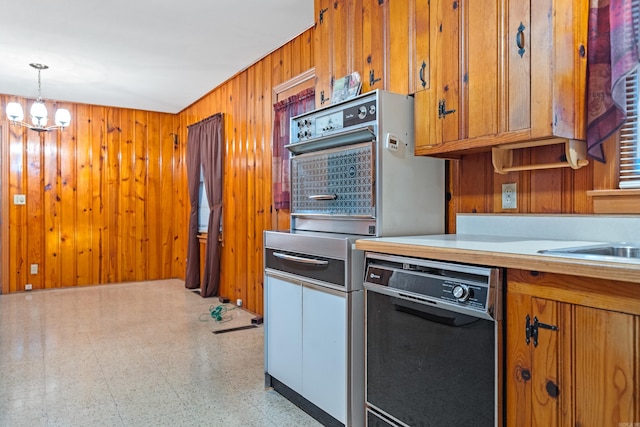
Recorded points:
(238,328)
(223,300)
(257,320)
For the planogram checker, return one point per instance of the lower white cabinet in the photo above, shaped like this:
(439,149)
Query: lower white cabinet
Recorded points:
(324,352)
(307,344)
(283,336)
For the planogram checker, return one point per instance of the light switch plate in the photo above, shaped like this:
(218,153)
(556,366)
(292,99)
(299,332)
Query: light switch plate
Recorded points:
(34,268)
(509,196)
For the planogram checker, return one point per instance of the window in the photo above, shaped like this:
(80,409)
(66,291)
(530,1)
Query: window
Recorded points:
(203,207)
(629,145)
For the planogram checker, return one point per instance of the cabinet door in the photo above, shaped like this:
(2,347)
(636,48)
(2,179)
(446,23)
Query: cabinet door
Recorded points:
(283,331)
(324,351)
(532,371)
(374,49)
(584,373)
(607,368)
(323,56)
(420,66)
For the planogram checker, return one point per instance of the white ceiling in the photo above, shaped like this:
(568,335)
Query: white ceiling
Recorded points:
(141,54)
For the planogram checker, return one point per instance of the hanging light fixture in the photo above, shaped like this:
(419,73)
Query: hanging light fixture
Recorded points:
(38,111)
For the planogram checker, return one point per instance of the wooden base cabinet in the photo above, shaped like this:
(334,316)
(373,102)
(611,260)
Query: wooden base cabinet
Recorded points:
(573,351)
(502,72)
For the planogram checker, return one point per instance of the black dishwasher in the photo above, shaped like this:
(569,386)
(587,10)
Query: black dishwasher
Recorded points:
(434,343)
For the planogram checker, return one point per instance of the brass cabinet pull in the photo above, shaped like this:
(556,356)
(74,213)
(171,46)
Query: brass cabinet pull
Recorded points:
(520,40)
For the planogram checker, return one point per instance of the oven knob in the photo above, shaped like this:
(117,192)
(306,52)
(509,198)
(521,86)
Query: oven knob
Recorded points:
(461,292)
(362,112)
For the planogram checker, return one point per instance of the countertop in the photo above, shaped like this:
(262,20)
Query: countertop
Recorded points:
(505,251)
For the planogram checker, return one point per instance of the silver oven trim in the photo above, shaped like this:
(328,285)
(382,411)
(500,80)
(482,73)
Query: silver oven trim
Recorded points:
(364,134)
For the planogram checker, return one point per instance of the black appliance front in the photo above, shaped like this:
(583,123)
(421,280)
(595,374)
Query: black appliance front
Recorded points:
(426,366)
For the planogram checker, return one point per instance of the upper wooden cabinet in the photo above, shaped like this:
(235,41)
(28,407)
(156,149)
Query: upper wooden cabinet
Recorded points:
(500,72)
(571,351)
(372,37)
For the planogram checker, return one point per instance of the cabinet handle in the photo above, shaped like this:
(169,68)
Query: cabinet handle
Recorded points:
(520,40)
(372,78)
(300,259)
(422,80)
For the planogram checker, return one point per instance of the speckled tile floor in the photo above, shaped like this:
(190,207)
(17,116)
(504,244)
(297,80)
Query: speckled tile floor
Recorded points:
(134,354)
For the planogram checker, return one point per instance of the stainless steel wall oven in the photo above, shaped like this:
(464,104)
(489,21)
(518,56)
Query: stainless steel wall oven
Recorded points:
(434,343)
(353,174)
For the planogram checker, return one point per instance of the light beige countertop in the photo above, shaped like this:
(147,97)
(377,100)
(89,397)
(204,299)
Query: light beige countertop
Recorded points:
(508,252)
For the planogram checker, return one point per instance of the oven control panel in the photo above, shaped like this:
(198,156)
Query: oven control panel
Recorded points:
(355,113)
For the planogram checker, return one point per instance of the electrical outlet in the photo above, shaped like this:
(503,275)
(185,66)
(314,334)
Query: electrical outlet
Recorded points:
(27,287)
(19,199)
(509,196)
(34,268)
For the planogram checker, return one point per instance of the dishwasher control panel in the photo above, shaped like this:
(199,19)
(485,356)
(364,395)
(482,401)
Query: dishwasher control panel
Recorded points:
(463,287)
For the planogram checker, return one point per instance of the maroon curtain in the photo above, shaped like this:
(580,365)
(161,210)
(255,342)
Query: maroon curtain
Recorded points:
(294,105)
(613,54)
(192,275)
(205,149)
(211,150)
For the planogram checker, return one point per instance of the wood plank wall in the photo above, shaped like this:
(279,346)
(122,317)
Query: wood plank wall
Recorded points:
(247,105)
(474,187)
(94,193)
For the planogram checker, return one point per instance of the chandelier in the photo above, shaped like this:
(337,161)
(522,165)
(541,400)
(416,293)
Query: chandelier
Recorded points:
(38,111)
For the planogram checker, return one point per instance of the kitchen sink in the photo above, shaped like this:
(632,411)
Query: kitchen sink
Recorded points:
(617,250)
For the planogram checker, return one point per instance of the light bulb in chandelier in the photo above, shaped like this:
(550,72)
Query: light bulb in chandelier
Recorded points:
(38,111)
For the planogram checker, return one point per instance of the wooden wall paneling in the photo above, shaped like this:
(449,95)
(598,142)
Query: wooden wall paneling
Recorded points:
(155,141)
(17,214)
(98,168)
(180,205)
(398,29)
(476,182)
(254,237)
(84,196)
(575,184)
(286,61)
(35,184)
(263,129)
(127,198)
(141,188)
(169,147)
(4,207)
(49,270)
(546,185)
(231,196)
(242,213)
(113,252)
(67,248)
(452,183)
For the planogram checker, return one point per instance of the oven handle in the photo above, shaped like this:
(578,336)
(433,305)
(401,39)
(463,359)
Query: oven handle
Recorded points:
(323,197)
(300,259)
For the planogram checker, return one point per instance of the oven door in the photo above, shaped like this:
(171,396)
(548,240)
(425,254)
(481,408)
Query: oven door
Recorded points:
(426,366)
(333,184)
